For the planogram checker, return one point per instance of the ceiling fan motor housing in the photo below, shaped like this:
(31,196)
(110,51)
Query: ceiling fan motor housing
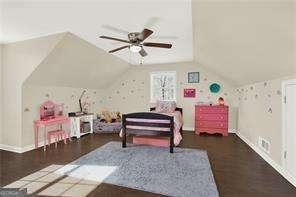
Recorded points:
(134,37)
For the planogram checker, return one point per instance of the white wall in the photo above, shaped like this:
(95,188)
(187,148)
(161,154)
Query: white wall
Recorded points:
(19,61)
(34,95)
(131,92)
(1,129)
(260,114)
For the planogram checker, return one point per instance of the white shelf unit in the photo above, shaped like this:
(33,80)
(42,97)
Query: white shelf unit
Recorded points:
(75,124)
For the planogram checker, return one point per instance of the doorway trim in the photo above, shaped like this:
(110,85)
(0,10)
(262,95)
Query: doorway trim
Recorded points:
(284,84)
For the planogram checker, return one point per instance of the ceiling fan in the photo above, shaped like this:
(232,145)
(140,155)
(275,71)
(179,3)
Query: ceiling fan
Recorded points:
(136,42)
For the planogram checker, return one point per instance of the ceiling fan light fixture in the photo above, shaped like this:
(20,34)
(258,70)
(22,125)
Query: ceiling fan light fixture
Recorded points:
(135,49)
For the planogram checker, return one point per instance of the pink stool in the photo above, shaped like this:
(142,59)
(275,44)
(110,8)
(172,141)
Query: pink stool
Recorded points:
(58,135)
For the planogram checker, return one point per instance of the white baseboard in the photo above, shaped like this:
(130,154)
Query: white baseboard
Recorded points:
(185,128)
(188,128)
(270,161)
(11,148)
(17,149)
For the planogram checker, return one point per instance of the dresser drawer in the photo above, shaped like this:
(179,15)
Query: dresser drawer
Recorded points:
(211,124)
(212,117)
(211,109)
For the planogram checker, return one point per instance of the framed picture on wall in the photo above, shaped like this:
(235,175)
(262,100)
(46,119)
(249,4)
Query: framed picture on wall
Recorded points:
(189,93)
(193,77)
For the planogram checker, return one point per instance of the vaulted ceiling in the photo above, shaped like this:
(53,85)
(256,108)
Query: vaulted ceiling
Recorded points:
(76,63)
(170,22)
(244,42)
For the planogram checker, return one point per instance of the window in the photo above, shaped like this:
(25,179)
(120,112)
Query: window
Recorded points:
(163,86)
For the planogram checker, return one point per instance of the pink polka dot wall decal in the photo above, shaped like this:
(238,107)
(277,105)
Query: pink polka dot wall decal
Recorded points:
(265,84)
(132,91)
(251,88)
(269,95)
(110,97)
(47,95)
(123,98)
(93,102)
(278,92)
(270,110)
(122,84)
(143,82)
(225,94)
(205,79)
(134,80)
(117,92)
(200,91)
(95,92)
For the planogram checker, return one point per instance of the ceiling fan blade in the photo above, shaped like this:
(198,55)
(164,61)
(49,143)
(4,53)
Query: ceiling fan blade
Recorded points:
(145,34)
(143,53)
(115,29)
(117,39)
(160,45)
(117,49)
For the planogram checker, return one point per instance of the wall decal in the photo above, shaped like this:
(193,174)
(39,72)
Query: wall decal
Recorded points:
(143,82)
(278,92)
(215,87)
(205,79)
(72,96)
(225,94)
(110,97)
(201,91)
(270,110)
(95,92)
(269,96)
(47,95)
(123,97)
(193,77)
(251,88)
(132,91)
(142,96)
(246,98)
(265,84)
(117,92)
(26,110)
(122,84)
(189,93)
(256,96)
(134,80)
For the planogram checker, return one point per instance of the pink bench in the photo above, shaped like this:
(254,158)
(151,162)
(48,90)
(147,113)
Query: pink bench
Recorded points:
(57,135)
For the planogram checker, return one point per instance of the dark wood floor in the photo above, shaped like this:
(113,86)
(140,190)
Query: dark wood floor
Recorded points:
(237,169)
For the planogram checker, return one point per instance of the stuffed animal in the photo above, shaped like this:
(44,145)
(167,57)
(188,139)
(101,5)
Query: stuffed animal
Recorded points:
(105,115)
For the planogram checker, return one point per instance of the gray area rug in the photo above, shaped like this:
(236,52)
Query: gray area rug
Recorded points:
(186,172)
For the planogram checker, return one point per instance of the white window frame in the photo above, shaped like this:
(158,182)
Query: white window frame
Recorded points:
(152,74)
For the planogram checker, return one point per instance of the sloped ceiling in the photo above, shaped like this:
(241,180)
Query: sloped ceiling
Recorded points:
(171,22)
(77,63)
(246,42)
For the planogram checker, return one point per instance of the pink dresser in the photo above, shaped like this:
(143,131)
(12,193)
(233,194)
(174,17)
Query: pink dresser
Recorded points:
(211,119)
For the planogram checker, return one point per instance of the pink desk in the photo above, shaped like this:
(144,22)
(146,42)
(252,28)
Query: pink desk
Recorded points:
(59,120)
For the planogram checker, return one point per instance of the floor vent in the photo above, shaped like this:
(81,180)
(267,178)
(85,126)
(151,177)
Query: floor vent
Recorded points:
(264,144)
